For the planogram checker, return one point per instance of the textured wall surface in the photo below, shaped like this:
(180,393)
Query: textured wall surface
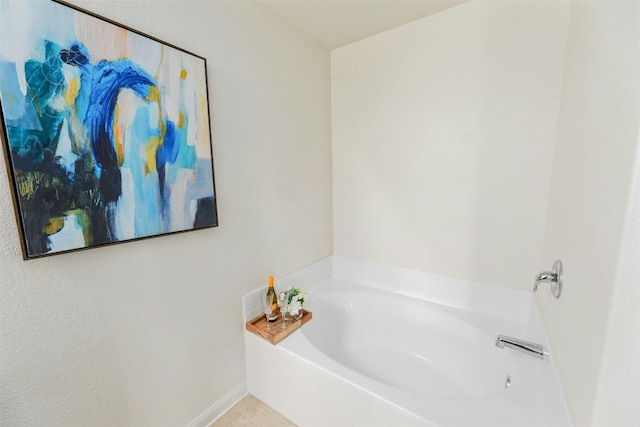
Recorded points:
(150,332)
(616,401)
(443,140)
(595,150)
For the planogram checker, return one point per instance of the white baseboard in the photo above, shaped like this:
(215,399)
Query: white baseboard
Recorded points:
(218,409)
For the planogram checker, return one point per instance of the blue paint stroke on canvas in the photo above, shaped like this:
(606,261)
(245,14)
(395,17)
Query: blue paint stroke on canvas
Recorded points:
(107,130)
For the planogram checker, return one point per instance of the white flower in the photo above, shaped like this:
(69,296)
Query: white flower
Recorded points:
(295,307)
(293,299)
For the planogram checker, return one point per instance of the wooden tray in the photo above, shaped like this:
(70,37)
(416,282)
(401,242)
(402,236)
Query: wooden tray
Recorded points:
(259,324)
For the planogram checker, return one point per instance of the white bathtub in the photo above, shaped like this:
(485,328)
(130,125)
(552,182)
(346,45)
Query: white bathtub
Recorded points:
(421,354)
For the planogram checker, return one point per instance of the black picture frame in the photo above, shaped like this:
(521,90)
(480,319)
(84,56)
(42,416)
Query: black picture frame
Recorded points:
(106,131)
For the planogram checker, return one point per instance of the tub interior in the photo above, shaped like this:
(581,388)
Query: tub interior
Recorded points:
(408,344)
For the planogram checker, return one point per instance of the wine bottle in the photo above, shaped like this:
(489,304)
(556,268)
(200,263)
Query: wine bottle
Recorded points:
(271,293)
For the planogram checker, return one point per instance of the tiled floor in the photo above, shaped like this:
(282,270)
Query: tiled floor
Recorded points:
(250,412)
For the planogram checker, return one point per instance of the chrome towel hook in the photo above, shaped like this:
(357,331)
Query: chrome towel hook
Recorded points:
(555,277)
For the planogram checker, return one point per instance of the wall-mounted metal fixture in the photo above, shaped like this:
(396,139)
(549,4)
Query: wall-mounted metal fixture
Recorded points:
(555,277)
(526,347)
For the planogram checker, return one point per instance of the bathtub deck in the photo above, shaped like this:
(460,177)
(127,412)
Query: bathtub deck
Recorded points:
(318,390)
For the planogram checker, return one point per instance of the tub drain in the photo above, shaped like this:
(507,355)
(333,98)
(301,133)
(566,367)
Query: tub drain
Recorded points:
(507,381)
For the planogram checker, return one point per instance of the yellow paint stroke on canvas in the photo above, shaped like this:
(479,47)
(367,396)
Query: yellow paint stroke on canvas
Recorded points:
(156,141)
(28,184)
(53,225)
(83,220)
(202,138)
(118,133)
(157,76)
(35,101)
(154,96)
(150,149)
(72,91)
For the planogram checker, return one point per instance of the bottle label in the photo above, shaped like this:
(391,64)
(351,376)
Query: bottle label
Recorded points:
(273,316)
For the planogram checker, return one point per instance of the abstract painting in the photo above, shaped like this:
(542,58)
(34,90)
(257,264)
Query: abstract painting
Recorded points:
(106,130)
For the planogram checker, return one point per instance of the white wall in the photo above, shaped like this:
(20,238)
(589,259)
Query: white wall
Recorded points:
(445,132)
(150,332)
(616,401)
(443,140)
(597,139)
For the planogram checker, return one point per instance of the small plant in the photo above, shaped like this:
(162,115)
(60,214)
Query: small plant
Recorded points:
(294,298)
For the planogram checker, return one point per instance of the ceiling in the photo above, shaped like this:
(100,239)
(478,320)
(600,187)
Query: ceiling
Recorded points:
(335,23)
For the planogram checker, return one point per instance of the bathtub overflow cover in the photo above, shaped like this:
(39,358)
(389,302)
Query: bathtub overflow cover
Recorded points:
(507,381)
